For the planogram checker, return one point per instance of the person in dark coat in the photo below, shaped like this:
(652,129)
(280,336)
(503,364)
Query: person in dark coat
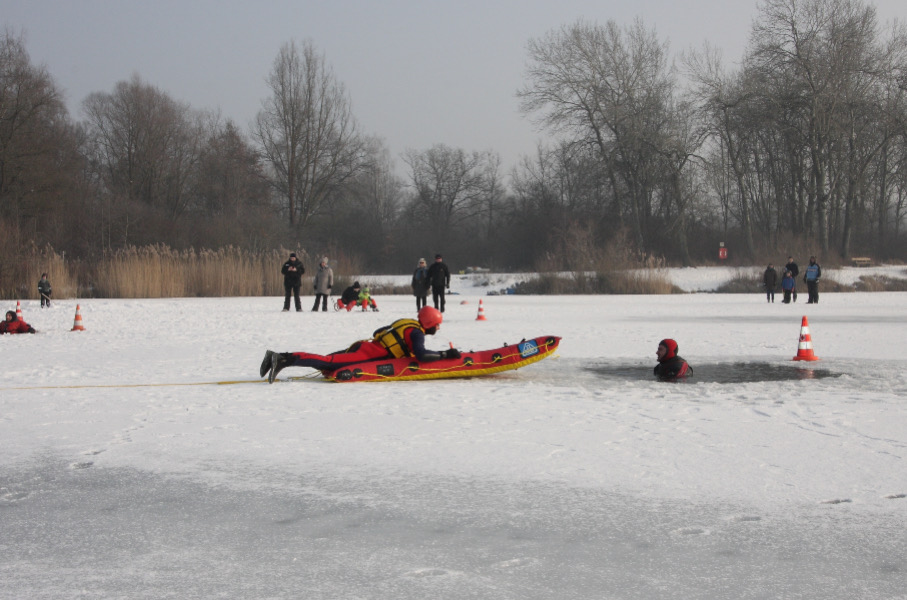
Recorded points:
(670,365)
(794,271)
(292,280)
(350,296)
(421,284)
(44,290)
(769,281)
(13,324)
(439,276)
(811,276)
(787,286)
(324,281)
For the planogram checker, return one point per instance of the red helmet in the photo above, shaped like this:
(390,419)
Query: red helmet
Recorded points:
(430,317)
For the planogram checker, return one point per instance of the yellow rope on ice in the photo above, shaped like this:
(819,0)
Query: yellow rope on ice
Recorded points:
(143,385)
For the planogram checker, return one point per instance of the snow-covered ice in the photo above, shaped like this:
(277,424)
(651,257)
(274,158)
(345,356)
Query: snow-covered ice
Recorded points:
(144,458)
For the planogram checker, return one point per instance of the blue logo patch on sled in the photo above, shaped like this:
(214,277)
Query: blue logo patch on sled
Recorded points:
(528,348)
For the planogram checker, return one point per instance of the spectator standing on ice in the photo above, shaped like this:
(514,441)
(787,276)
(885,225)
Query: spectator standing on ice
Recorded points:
(811,276)
(787,286)
(794,271)
(292,280)
(421,284)
(439,276)
(770,280)
(670,365)
(324,281)
(44,290)
(13,324)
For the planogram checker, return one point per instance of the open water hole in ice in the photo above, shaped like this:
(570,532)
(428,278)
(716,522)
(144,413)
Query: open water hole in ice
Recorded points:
(737,372)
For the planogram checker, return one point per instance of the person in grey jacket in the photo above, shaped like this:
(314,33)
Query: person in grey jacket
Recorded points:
(323,282)
(421,284)
(44,290)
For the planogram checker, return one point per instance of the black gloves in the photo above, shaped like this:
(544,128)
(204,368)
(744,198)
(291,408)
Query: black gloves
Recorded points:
(452,353)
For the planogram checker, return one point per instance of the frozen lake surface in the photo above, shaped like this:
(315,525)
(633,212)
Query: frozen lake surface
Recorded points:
(130,472)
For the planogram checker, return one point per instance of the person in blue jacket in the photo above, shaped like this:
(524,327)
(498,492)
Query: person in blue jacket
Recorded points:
(788,286)
(811,276)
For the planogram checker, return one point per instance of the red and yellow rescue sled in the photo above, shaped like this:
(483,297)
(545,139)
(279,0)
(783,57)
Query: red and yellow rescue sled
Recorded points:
(470,364)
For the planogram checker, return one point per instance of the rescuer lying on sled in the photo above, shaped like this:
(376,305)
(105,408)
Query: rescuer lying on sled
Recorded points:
(403,337)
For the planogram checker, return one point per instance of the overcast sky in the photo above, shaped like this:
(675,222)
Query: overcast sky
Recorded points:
(418,72)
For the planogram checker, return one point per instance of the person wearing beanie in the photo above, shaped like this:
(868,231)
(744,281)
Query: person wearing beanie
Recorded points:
(292,280)
(324,281)
(421,284)
(788,286)
(811,276)
(13,324)
(350,296)
(366,301)
(44,290)
(439,276)
(670,365)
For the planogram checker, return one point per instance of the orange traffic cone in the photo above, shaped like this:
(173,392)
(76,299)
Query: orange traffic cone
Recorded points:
(77,324)
(481,315)
(805,349)
(18,310)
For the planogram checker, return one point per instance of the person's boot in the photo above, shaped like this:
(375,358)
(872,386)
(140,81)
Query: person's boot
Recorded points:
(278,362)
(266,363)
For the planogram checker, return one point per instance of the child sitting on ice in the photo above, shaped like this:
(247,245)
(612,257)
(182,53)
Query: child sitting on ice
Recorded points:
(366,300)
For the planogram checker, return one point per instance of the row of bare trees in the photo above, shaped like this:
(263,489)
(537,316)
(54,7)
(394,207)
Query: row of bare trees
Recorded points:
(806,139)
(802,146)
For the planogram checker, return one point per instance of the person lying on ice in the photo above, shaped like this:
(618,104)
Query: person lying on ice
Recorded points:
(12,324)
(403,337)
(670,366)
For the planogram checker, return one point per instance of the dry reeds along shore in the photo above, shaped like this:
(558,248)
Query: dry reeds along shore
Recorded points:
(152,272)
(162,272)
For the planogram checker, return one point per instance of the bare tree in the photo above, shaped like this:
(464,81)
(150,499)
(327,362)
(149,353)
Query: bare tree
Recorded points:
(231,191)
(452,187)
(724,101)
(146,147)
(37,143)
(825,50)
(609,87)
(306,131)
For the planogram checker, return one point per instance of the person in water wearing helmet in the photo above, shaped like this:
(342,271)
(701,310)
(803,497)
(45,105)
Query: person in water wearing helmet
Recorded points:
(12,324)
(403,337)
(670,365)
